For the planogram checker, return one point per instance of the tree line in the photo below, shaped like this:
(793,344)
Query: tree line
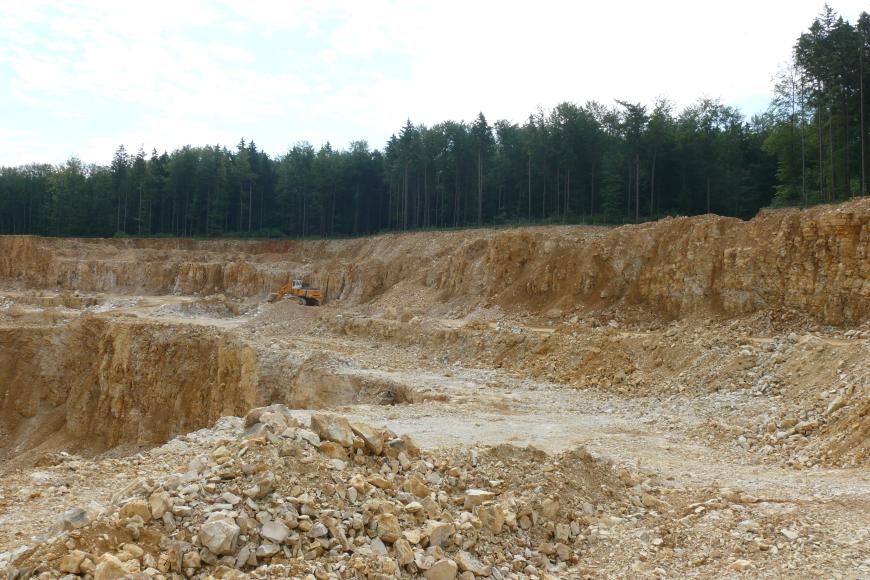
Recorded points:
(625,162)
(818,128)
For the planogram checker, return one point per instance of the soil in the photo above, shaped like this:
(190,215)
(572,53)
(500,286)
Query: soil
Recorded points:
(694,392)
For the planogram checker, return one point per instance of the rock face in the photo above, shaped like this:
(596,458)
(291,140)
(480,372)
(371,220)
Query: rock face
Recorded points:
(187,379)
(815,260)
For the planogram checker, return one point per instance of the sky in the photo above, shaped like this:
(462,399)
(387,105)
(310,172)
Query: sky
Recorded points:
(81,77)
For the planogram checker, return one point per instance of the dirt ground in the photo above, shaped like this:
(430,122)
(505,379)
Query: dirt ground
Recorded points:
(685,425)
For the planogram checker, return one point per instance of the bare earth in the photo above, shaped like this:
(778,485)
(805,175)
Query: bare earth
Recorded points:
(696,421)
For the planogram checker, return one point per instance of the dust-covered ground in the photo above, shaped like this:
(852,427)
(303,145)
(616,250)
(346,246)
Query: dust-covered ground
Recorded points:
(682,399)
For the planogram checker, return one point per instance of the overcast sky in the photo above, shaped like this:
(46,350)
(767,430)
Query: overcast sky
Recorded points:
(82,77)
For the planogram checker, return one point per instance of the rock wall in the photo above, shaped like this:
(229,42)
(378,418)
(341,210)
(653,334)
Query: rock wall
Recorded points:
(103,382)
(816,261)
(95,382)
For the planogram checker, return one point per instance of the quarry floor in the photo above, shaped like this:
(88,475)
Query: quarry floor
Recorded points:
(699,435)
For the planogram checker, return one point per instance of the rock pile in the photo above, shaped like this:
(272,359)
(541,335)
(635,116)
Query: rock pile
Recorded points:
(335,499)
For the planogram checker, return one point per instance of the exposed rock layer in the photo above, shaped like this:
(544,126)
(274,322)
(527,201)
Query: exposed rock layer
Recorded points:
(96,382)
(104,382)
(816,260)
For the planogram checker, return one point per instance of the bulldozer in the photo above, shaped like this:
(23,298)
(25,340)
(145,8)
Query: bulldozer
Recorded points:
(302,293)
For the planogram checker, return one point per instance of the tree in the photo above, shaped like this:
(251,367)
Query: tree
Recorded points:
(138,179)
(660,134)
(634,126)
(120,184)
(482,142)
(66,185)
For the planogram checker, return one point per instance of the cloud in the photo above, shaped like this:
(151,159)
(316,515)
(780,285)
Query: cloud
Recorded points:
(21,147)
(81,75)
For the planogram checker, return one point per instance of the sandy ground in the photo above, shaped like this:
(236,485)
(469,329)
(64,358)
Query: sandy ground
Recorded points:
(462,402)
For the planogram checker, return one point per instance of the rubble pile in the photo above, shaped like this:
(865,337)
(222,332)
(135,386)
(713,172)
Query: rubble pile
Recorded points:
(336,499)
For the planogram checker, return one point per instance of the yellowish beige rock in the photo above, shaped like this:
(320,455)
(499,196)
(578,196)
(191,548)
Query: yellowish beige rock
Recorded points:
(442,570)
(71,562)
(135,508)
(110,568)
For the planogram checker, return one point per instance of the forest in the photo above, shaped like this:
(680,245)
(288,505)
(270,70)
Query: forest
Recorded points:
(577,163)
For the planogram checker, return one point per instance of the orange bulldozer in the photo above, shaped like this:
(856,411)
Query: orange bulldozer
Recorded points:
(302,293)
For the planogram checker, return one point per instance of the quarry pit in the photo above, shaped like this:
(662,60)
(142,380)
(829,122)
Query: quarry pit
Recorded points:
(692,394)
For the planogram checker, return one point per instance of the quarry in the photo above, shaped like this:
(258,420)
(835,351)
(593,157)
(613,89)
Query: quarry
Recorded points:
(682,398)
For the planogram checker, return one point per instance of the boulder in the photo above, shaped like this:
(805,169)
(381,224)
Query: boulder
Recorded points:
(276,531)
(380,481)
(404,553)
(414,507)
(413,484)
(414,536)
(550,508)
(267,550)
(332,428)
(372,437)
(255,416)
(378,548)
(404,444)
(468,563)
(333,450)
(422,560)
(191,561)
(742,565)
(110,568)
(133,550)
(318,530)
(389,529)
(219,537)
(72,562)
(265,484)
(134,508)
(492,517)
(40,478)
(563,532)
(307,436)
(475,497)
(442,570)
(160,503)
(439,533)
